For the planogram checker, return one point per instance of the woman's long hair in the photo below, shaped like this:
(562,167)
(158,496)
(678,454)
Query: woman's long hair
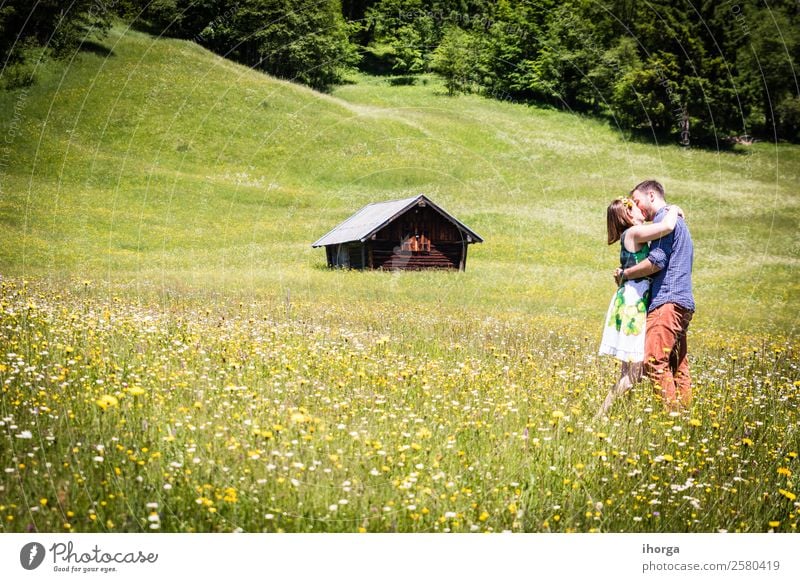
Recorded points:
(618,218)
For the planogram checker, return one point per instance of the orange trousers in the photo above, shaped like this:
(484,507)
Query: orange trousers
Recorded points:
(665,358)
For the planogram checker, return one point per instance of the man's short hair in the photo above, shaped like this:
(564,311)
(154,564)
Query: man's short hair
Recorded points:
(650,185)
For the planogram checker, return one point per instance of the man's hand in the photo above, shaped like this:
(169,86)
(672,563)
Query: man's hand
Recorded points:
(618,276)
(641,269)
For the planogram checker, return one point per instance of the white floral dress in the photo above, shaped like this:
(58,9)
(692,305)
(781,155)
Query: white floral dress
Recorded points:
(623,332)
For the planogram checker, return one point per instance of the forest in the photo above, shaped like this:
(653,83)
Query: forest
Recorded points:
(698,72)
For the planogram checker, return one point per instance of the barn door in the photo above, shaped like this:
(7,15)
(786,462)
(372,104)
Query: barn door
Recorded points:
(416,233)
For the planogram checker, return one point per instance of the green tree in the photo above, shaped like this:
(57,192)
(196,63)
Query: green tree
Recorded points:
(307,41)
(569,48)
(411,53)
(408,28)
(767,64)
(513,42)
(414,28)
(787,114)
(615,76)
(457,59)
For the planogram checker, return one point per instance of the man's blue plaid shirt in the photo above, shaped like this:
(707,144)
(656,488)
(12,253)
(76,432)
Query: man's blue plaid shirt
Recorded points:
(674,255)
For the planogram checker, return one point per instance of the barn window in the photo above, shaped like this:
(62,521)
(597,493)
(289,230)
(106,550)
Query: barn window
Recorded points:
(417,243)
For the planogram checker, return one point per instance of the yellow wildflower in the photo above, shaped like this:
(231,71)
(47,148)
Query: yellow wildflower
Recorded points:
(107,401)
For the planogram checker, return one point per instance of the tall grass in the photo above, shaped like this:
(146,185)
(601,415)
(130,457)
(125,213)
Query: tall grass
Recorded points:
(224,416)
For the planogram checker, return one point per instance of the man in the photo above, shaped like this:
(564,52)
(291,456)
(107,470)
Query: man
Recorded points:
(672,303)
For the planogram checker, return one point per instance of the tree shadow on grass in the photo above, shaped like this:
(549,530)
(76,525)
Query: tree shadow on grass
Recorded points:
(376,63)
(96,48)
(707,143)
(403,80)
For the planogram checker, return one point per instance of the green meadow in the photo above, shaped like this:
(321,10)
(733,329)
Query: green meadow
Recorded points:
(176,357)
(162,162)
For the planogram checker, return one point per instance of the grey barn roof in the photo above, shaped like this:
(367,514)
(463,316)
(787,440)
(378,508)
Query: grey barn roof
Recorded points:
(370,219)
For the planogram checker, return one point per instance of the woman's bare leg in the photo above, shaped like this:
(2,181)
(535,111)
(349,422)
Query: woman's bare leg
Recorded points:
(630,374)
(635,371)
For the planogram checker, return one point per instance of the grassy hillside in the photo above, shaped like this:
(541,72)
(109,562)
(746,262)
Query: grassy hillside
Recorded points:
(163,164)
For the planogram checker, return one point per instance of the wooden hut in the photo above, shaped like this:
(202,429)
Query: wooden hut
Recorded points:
(409,234)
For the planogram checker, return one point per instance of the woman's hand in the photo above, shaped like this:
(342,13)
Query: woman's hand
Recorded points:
(679,210)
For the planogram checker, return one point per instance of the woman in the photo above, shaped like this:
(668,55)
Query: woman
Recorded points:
(623,334)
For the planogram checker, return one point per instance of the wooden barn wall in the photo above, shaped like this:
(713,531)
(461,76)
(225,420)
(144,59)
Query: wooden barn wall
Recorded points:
(439,241)
(420,221)
(388,255)
(348,255)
